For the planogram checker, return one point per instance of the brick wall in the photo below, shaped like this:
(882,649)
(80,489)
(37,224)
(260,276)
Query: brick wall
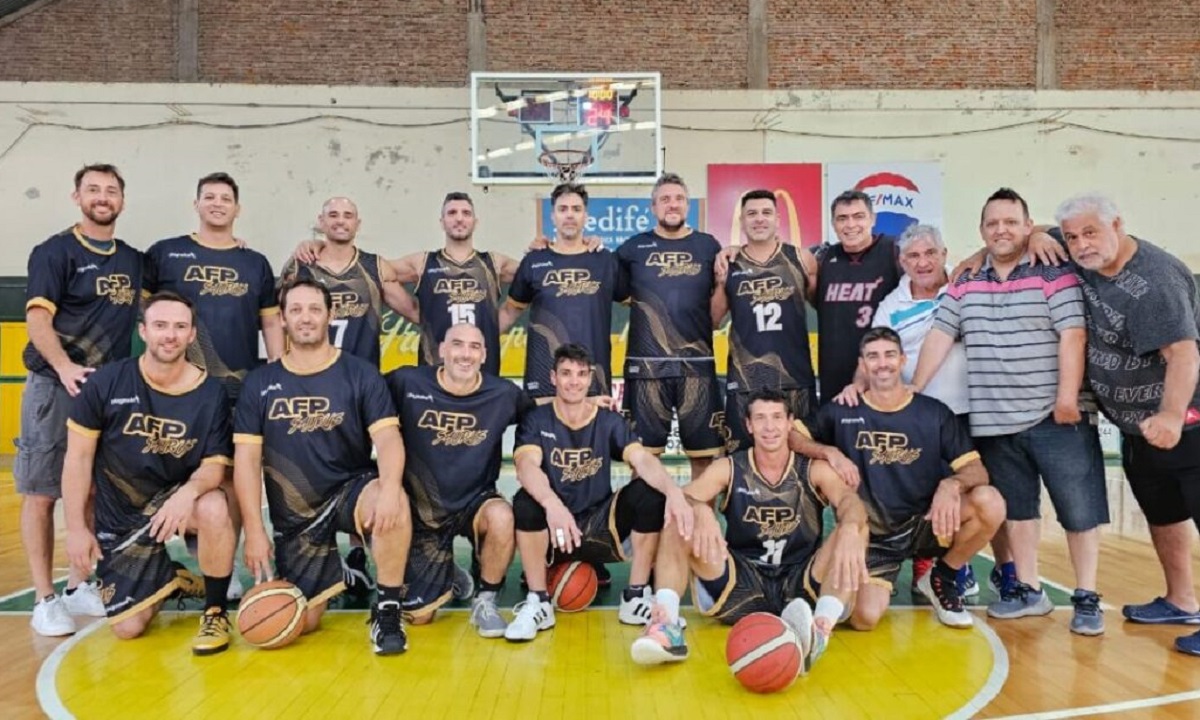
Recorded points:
(697,44)
(81,41)
(1128,44)
(834,44)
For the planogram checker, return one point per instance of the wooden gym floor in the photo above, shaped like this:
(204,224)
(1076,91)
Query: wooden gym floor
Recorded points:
(910,667)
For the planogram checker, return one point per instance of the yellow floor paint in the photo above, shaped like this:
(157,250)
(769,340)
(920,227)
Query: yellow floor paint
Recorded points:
(910,667)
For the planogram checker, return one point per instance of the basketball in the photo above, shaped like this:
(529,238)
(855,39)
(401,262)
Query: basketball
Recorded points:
(572,585)
(764,653)
(271,614)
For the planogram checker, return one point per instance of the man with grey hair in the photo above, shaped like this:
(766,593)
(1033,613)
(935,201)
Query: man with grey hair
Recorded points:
(1143,362)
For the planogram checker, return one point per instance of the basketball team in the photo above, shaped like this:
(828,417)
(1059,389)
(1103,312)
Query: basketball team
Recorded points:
(947,400)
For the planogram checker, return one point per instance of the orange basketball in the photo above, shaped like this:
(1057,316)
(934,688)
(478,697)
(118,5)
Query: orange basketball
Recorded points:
(271,614)
(763,652)
(572,585)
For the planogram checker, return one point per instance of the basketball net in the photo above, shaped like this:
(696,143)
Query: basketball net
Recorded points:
(565,165)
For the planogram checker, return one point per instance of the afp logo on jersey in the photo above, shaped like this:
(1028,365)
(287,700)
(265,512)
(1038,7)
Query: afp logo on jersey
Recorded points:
(452,428)
(575,464)
(673,263)
(460,290)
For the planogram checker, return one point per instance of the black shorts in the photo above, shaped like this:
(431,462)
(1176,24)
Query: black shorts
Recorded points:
(886,553)
(605,527)
(799,401)
(1166,483)
(308,557)
(135,571)
(696,399)
(745,588)
(429,574)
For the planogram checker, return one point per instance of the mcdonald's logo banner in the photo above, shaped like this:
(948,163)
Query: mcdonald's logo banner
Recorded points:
(797,188)
(902,193)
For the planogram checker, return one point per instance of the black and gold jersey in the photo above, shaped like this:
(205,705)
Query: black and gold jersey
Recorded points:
(775,526)
(357,293)
(450,293)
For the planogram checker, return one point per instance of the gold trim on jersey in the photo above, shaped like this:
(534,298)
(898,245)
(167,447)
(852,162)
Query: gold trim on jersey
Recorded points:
(907,401)
(42,303)
(196,239)
(656,451)
(431,608)
(612,525)
(553,247)
(441,371)
(728,485)
(160,595)
(384,423)
(588,421)
(328,593)
(801,428)
(86,242)
(247,439)
(160,389)
(963,460)
(718,603)
(743,255)
(264,312)
(217,460)
(445,255)
(84,431)
(709,453)
(787,469)
(344,271)
(337,353)
(421,272)
(628,449)
(524,448)
(516,303)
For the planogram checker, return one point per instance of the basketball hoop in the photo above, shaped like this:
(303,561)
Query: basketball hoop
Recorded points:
(565,165)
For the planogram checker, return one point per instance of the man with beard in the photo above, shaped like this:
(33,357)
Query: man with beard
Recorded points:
(80,314)
(309,421)
(151,437)
(232,287)
(669,364)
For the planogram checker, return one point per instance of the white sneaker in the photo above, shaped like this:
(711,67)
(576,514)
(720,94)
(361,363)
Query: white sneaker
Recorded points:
(637,610)
(236,590)
(50,618)
(463,585)
(799,615)
(85,601)
(530,616)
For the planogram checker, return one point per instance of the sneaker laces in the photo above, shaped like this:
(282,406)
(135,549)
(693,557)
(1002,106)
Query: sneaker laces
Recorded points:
(949,599)
(387,618)
(1087,603)
(214,624)
(527,609)
(1018,591)
(485,607)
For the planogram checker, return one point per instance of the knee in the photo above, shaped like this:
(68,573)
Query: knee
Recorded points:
(866,618)
(498,520)
(130,628)
(312,618)
(989,505)
(212,510)
(39,503)
(424,619)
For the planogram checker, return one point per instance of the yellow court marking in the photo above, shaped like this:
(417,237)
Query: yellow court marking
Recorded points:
(909,667)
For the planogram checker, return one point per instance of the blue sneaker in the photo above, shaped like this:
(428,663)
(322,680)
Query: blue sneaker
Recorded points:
(1088,618)
(1002,578)
(1160,612)
(1189,644)
(1023,601)
(967,586)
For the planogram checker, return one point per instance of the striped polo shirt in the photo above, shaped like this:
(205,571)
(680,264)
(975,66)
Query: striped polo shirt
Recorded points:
(1011,329)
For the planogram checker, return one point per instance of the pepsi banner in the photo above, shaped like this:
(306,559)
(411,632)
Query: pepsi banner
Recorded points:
(902,193)
(614,220)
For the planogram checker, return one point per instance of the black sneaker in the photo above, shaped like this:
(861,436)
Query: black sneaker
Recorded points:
(387,629)
(358,580)
(942,590)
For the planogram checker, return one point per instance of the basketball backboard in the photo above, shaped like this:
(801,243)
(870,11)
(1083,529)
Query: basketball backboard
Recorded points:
(534,128)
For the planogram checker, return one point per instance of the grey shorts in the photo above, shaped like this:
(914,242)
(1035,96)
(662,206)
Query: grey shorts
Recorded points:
(45,406)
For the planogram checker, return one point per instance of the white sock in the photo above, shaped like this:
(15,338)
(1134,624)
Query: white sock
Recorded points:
(669,601)
(830,608)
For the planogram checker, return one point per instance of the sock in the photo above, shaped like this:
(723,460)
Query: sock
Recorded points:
(485,586)
(633,591)
(542,595)
(48,598)
(945,570)
(70,591)
(668,600)
(215,590)
(390,593)
(830,608)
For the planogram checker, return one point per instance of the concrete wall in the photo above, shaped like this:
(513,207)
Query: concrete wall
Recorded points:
(397,151)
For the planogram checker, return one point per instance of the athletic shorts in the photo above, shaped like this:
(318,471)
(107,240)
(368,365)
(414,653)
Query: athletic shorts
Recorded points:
(308,557)
(886,553)
(135,572)
(45,407)
(745,588)
(429,574)
(1166,483)
(799,401)
(697,401)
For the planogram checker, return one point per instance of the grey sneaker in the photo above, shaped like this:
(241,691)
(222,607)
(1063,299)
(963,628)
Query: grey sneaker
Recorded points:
(1021,601)
(463,585)
(485,617)
(1088,618)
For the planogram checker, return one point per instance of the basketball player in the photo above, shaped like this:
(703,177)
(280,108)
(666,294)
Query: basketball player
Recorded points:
(153,435)
(771,557)
(453,419)
(309,422)
(902,442)
(569,289)
(669,364)
(566,503)
(360,285)
(80,314)
(764,289)
(232,287)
